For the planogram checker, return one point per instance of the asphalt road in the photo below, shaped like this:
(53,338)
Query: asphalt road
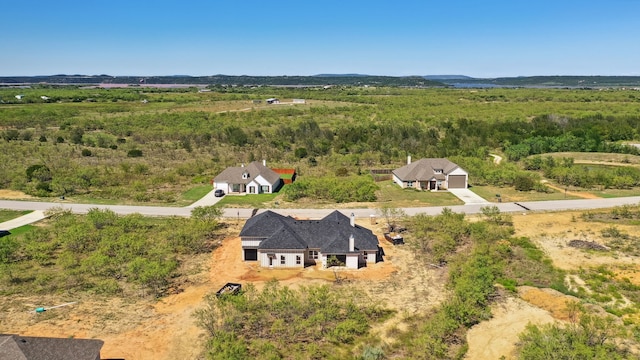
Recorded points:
(555,205)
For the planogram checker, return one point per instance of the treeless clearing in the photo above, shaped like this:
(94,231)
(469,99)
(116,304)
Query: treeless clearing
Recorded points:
(143,328)
(13,195)
(551,232)
(497,337)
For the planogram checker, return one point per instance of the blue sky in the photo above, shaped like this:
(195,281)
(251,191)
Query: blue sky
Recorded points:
(488,38)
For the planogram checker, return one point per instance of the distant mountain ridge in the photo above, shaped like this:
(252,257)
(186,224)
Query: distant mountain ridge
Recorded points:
(332,79)
(447,77)
(241,80)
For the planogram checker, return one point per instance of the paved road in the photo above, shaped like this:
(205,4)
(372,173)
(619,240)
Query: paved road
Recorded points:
(555,205)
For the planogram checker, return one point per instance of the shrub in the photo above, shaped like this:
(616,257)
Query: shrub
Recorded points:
(86,152)
(134,153)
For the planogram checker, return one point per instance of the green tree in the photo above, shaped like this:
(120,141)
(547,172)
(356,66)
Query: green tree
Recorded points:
(206,213)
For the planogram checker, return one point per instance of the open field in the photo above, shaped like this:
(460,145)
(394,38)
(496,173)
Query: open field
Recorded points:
(163,329)
(132,146)
(152,146)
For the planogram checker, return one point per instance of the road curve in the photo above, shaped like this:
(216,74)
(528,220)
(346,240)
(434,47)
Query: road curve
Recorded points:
(232,213)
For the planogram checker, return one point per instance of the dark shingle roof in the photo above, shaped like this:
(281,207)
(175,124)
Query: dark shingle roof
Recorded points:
(234,174)
(330,234)
(424,169)
(14,347)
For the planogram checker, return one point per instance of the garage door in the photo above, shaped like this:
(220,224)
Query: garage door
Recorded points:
(457,181)
(250,254)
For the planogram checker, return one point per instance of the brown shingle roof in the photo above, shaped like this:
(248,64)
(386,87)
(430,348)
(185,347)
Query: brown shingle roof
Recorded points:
(425,169)
(233,175)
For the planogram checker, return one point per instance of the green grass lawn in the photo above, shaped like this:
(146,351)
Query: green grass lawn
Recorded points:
(509,194)
(254,201)
(613,193)
(392,194)
(630,160)
(196,193)
(21,230)
(6,215)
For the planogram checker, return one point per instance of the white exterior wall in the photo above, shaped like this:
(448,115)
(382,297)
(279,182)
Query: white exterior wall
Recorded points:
(251,243)
(222,186)
(289,256)
(398,181)
(352,261)
(371,256)
(260,181)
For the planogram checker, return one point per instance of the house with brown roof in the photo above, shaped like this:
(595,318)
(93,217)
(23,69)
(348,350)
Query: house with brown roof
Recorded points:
(255,178)
(278,241)
(431,174)
(15,347)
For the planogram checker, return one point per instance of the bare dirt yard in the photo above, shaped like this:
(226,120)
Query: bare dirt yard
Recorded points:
(13,195)
(552,232)
(145,328)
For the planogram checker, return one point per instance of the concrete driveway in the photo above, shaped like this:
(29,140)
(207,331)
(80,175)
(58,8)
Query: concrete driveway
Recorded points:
(207,200)
(469,197)
(23,220)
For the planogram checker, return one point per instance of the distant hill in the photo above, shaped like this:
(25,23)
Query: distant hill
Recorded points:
(553,81)
(333,79)
(447,77)
(341,75)
(242,80)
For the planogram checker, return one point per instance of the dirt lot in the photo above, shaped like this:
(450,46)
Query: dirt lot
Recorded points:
(143,328)
(13,195)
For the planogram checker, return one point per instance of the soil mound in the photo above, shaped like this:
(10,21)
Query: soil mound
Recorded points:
(589,245)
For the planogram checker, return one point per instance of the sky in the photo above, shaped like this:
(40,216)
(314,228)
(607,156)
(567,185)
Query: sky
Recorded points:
(481,38)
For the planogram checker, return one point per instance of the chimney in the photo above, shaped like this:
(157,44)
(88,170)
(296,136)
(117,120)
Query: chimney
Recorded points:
(264,163)
(353,220)
(352,245)
(408,159)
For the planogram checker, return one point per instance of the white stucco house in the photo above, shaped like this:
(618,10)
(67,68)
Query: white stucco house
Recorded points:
(255,178)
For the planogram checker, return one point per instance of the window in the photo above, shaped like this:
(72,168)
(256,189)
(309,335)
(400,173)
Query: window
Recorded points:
(364,255)
(252,189)
(282,260)
(298,260)
(409,183)
(437,171)
(313,254)
(264,189)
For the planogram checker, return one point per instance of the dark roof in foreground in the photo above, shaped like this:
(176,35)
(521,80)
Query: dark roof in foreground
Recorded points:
(330,234)
(15,347)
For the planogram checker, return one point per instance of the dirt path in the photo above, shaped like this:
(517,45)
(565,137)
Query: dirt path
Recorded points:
(498,336)
(582,194)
